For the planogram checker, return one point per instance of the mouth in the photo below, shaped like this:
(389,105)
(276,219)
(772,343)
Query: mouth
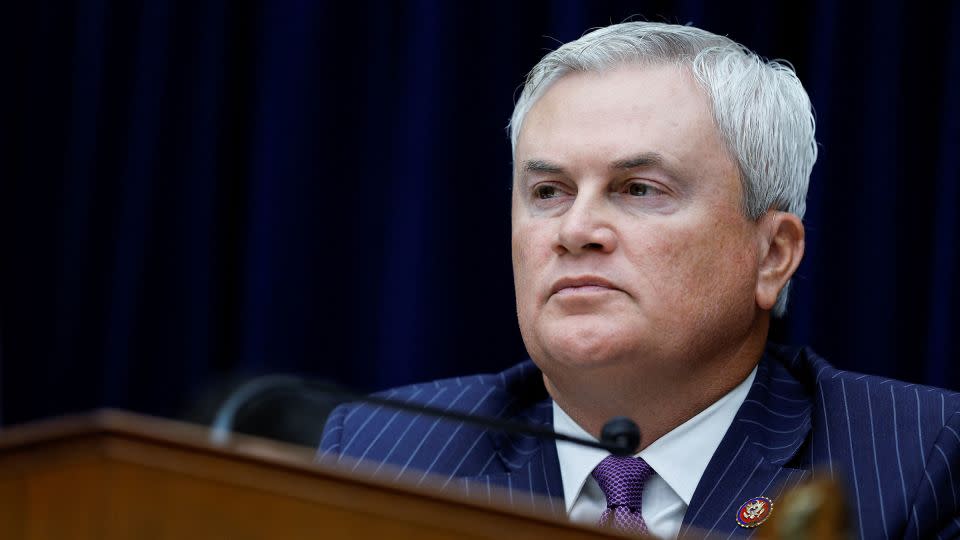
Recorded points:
(582,284)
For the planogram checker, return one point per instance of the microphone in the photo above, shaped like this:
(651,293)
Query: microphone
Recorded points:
(623,433)
(620,436)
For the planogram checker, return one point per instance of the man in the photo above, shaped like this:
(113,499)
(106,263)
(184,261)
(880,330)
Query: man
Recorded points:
(660,174)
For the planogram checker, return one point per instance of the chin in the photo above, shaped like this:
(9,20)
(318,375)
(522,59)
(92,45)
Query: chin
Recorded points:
(584,346)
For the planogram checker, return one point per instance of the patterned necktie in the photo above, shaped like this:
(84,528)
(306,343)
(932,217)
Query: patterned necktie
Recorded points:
(622,480)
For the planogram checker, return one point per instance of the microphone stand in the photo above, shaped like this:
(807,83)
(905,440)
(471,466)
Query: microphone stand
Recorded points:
(620,435)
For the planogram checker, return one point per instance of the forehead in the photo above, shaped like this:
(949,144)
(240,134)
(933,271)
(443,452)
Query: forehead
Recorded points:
(600,117)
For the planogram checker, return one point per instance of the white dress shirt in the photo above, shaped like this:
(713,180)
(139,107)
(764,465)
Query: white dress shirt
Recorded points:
(678,459)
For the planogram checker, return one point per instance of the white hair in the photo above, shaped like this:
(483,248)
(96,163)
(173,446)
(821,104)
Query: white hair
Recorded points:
(760,107)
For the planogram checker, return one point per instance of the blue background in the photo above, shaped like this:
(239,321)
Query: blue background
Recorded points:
(193,191)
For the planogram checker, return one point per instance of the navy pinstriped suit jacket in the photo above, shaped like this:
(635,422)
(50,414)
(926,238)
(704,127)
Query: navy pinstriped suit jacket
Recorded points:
(895,445)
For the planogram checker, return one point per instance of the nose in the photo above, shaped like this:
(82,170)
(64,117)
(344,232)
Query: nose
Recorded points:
(585,227)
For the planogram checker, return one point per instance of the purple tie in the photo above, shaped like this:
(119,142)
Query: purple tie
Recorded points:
(622,480)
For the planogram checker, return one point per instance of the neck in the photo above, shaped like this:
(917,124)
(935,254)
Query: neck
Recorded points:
(657,400)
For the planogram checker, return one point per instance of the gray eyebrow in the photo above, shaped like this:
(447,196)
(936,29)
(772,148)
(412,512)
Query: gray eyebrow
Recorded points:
(539,165)
(646,159)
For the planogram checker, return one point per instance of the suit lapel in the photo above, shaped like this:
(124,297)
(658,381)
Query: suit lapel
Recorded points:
(758,456)
(527,467)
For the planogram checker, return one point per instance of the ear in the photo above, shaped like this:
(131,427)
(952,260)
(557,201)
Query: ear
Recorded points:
(782,244)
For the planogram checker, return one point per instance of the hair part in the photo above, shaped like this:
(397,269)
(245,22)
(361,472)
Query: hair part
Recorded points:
(760,108)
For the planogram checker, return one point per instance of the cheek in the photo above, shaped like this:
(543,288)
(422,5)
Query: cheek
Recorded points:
(526,262)
(525,278)
(694,266)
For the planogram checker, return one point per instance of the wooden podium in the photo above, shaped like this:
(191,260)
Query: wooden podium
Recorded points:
(117,475)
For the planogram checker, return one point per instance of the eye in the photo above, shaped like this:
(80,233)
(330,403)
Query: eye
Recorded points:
(547,191)
(639,189)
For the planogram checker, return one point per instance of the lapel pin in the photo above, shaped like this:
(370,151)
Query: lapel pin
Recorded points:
(754,512)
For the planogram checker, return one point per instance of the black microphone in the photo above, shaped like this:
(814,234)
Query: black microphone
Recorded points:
(620,436)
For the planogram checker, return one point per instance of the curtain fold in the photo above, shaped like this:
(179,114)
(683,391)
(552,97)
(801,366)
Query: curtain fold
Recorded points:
(192,192)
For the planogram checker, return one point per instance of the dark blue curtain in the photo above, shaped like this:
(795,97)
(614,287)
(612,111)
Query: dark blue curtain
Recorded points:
(191,191)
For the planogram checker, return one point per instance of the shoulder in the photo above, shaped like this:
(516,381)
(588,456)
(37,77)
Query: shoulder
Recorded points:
(358,425)
(897,443)
(831,385)
(518,379)
(478,394)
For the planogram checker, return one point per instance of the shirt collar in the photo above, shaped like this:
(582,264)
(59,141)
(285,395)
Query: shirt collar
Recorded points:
(679,457)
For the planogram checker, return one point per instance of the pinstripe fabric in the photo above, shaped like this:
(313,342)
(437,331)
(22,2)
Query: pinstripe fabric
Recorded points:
(896,446)
(890,443)
(463,457)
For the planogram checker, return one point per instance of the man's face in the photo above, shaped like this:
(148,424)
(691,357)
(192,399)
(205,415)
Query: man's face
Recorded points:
(630,247)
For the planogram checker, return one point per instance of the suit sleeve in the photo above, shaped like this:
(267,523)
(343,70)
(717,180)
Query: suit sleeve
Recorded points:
(330,441)
(935,512)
